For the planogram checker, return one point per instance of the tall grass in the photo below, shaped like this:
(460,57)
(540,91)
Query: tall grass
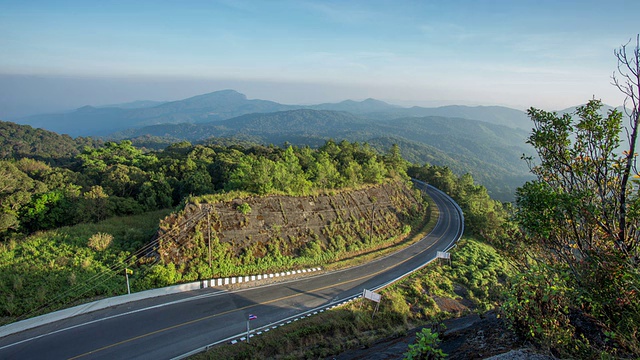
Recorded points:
(56,268)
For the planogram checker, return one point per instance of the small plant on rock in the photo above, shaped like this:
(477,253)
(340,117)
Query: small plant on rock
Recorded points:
(425,347)
(244,209)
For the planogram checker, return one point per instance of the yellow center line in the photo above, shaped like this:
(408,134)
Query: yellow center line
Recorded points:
(240,309)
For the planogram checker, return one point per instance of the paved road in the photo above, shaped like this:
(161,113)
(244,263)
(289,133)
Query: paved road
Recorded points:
(171,326)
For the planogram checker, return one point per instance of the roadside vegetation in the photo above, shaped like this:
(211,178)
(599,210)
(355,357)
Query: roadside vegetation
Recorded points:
(65,266)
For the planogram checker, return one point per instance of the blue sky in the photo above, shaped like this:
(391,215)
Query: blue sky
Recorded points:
(549,54)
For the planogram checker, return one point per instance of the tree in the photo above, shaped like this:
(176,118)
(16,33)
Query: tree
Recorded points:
(395,163)
(373,172)
(583,209)
(16,191)
(325,175)
(95,204)
(628,82)
(45,211)
(288,175)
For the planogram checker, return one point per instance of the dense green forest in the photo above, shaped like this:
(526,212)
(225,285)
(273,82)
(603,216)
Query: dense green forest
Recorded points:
(20,141)
(118,179)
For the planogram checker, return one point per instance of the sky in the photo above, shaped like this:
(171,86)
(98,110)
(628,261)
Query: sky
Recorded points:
(60,55)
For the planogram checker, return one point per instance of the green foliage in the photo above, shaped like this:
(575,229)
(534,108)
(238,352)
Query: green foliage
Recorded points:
(484,216)
(244,209)
(16,191)
(46,211)
(331,166)
(59,266)
(578,219)
(537,305)
(118,179)
(475,266)
(482,270)
(21,141)
(312,250)
(425,347)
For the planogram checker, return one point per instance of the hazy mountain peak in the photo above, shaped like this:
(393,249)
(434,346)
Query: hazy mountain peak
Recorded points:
(213,99)
(86,108)
(137,104)
(221,94)
(358,107)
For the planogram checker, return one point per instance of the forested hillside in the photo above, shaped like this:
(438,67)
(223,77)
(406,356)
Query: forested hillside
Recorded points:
(490,152)
(119,179)
(20,141)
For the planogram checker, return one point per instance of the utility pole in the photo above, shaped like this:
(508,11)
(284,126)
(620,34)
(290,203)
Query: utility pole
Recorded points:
(209,234)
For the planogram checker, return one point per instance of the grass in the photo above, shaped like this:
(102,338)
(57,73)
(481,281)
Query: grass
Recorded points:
(52,269)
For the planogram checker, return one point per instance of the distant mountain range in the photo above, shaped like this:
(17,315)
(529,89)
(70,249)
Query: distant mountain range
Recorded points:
(227,104)
(486,141)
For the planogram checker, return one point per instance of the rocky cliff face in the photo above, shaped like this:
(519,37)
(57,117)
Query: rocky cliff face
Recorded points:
(334,222)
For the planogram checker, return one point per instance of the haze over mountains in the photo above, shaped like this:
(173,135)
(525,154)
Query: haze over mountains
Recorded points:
(226,104)
(486,141)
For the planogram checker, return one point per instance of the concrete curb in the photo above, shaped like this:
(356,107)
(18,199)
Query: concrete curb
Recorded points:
(27,324)
(245,279)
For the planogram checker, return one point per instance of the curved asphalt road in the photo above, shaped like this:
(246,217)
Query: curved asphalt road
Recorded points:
(174,325)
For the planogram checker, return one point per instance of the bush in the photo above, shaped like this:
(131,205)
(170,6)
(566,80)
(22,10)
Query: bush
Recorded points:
(425,347)
(100,241)
(244,209)
(537,307)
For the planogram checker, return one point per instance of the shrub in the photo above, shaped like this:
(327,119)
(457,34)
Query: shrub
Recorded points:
(537,307)
(100,241)
(425,347)
(244,209)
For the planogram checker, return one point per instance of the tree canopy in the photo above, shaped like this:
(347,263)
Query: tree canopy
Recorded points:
(116,178)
